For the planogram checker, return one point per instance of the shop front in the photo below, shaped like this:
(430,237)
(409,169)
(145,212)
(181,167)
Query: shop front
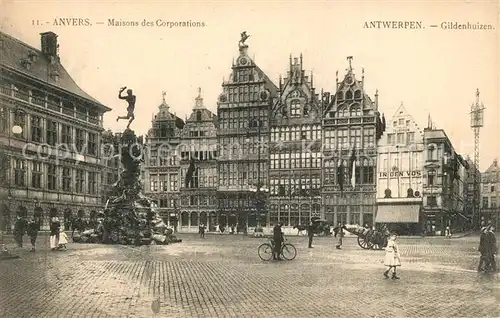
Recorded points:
(402,217)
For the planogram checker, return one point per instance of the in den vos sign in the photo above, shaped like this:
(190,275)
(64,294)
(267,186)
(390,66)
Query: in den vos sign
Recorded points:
(401,174)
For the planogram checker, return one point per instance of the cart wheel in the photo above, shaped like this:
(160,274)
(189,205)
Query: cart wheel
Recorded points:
(363,243)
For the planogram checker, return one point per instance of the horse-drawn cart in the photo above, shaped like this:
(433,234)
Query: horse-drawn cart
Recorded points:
(368,238)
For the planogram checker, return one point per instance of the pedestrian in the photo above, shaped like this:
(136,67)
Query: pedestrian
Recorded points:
(202,230)
(392,259)
(278,241)
(20,226)
(55,226)
(339,233)
(32,231)
(483,249)
(447,232)
(491,249)
(63,240)
(310,233)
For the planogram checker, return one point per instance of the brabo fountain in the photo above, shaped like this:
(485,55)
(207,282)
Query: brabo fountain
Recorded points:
(129,217)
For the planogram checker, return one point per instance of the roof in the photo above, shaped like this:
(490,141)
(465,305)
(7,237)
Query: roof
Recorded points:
(14,51)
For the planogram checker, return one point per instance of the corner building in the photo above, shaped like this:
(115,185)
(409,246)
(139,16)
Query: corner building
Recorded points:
(400,174)
(198,151)
(295,150)
(350,121)
(243,114)
(59,127)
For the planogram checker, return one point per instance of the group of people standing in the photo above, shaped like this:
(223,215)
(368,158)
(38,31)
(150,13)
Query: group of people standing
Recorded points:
(488,249)
(58,238)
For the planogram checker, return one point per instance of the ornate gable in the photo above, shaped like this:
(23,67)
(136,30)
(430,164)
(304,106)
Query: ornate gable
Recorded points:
(350,99)
(297,98)
(200,120)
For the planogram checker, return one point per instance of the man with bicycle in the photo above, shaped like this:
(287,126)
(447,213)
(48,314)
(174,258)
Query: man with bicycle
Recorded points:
(278,241)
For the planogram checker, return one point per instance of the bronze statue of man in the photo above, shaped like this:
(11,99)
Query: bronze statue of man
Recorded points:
(130,98)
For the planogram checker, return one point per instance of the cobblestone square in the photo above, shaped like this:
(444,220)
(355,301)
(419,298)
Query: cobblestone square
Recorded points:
(222,276)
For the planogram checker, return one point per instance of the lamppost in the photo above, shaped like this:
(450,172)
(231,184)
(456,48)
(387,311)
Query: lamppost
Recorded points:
(256,123)
(15,129)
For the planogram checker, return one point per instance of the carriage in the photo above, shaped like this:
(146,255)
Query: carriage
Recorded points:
(368,238)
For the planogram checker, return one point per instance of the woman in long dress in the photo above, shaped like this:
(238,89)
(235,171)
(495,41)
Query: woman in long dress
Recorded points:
(55,226)
(392,259)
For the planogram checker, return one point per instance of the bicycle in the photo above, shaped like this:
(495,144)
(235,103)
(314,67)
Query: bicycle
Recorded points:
(266,251)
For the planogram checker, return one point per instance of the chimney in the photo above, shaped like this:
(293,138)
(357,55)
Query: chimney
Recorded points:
(49,44)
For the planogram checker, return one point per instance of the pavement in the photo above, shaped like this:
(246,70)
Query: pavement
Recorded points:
(222,276)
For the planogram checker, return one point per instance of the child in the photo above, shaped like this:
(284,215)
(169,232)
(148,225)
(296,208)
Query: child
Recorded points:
(392,256)
(63,239)
(447,232)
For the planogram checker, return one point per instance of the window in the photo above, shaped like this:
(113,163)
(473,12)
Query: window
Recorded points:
(198,115)
(4,119)
(20,120)
(401,122)
(66,179)
(66,137)
(174,182)
(80,140)
(36,175)
(79,181)
(431,201)
(492,188)
(36,129)
(410,138)
(342,139)
(51,132)
(391,139)
(401,138)
(355,111)
(92,144)
(355,138)
(295,108)
(430,177)
(431,153)
(394,124)
(92,184)
(20,172)
(51,177)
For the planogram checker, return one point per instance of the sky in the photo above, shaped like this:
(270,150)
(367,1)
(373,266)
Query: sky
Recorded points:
(430,70)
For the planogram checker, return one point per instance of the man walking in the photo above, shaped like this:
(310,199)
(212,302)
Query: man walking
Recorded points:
(19,230)
(483,249)
(340,233)
(310,233)
(32,230)
(278,241)
(202,230)
(491,249)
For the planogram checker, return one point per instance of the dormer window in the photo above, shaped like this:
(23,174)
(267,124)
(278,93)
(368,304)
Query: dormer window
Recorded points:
(198,115)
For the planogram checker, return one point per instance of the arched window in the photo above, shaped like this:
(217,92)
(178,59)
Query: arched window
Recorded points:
(348,95)
(194,219)
(355,110)
(357,94)
(184,219)
(295,108)
(340,95)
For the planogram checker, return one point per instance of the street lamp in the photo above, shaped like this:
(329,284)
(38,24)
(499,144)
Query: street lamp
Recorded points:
(256,123)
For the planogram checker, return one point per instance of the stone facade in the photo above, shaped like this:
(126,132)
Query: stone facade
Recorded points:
(58,125)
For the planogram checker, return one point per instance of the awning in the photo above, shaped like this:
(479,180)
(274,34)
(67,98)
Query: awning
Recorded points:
(398,213)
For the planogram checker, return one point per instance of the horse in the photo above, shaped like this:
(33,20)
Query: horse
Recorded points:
(300,228)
